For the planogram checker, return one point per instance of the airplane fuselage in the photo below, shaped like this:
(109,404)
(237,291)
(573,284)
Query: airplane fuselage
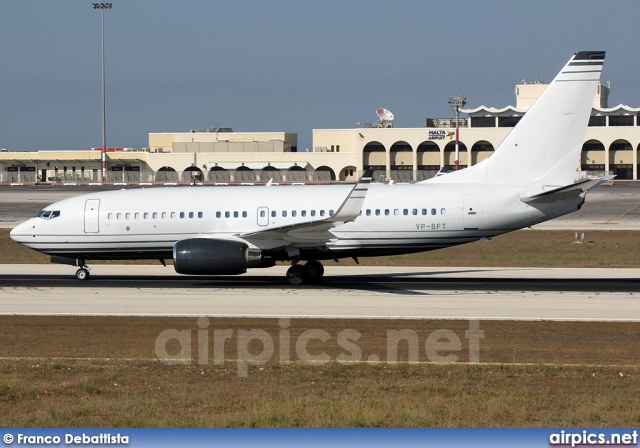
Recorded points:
(394,219)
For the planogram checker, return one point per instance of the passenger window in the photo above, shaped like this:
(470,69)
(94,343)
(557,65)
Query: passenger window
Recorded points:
(303,213)
(368,212)
(235,214)
(173,215)
(164,215)
(321,212)
(191,215)
(244,214)
(218,214)
(293,213)
(433,211)
(415,211)
(46,215)
(405,212)
(273,213)
(330,212)
(377,212)
(200,214)
(136,215)
(118,215)
(284,213)
(386,212)
(262,213)
(313,213)
(155,215)
(146,215)
(424,211)
(127,216)
(443,211)
(227,214)
(181,215)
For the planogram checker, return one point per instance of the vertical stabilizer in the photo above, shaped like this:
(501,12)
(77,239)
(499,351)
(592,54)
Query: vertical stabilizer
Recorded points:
(543,150)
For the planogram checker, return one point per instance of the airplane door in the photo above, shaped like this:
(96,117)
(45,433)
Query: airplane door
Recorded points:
(91,213)
(470,217)
(263,216)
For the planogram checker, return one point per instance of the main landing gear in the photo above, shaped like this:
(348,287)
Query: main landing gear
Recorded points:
(310,272)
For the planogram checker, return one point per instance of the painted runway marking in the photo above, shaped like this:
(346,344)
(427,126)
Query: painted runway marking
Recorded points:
(629,210)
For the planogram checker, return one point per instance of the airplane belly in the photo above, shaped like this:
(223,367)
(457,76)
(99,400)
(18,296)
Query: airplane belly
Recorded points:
(60,244)
(415,240)
(106,246)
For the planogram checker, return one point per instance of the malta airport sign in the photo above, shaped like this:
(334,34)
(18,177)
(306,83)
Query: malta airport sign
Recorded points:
(441,134)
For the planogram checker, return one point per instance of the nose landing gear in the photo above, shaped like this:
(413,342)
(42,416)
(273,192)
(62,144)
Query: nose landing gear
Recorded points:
(83,273)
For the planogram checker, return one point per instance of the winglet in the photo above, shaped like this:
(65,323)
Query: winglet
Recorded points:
(350,208)
(601,181)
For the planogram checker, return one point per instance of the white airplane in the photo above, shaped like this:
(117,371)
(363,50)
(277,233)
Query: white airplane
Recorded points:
(532,177)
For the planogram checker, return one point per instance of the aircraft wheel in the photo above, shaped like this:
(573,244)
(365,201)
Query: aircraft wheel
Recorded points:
(314,271)
(295,275)
(82,274)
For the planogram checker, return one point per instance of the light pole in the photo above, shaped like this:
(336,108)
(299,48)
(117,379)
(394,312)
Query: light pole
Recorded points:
(457,102)
(102,7)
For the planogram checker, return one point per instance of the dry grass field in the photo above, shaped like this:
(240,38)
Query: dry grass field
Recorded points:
(95,393)
(102,371)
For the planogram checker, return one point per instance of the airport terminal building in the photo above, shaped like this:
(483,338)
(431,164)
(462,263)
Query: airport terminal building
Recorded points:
(221,156)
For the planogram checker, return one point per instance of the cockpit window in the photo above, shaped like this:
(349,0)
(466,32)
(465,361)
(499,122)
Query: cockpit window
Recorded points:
(48,214)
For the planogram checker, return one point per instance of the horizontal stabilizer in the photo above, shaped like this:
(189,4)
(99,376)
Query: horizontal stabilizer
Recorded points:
(568,191)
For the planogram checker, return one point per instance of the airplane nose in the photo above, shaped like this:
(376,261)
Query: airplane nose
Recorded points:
(20,233)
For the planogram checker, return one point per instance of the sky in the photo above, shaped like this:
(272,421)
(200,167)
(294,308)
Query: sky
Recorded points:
(286,66)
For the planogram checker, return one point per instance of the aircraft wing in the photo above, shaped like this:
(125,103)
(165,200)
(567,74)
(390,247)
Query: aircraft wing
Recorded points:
(318,231)
(572,190)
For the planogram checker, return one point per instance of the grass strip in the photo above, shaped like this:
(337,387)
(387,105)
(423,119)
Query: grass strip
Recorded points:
(101,372)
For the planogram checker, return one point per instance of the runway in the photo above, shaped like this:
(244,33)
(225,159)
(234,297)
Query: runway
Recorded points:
(348,292)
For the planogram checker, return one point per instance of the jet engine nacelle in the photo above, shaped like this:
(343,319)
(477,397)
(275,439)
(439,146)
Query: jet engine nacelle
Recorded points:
(206,256)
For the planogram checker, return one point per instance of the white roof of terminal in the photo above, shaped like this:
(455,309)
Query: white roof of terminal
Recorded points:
(617,109)
(493,110)
(511,111)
